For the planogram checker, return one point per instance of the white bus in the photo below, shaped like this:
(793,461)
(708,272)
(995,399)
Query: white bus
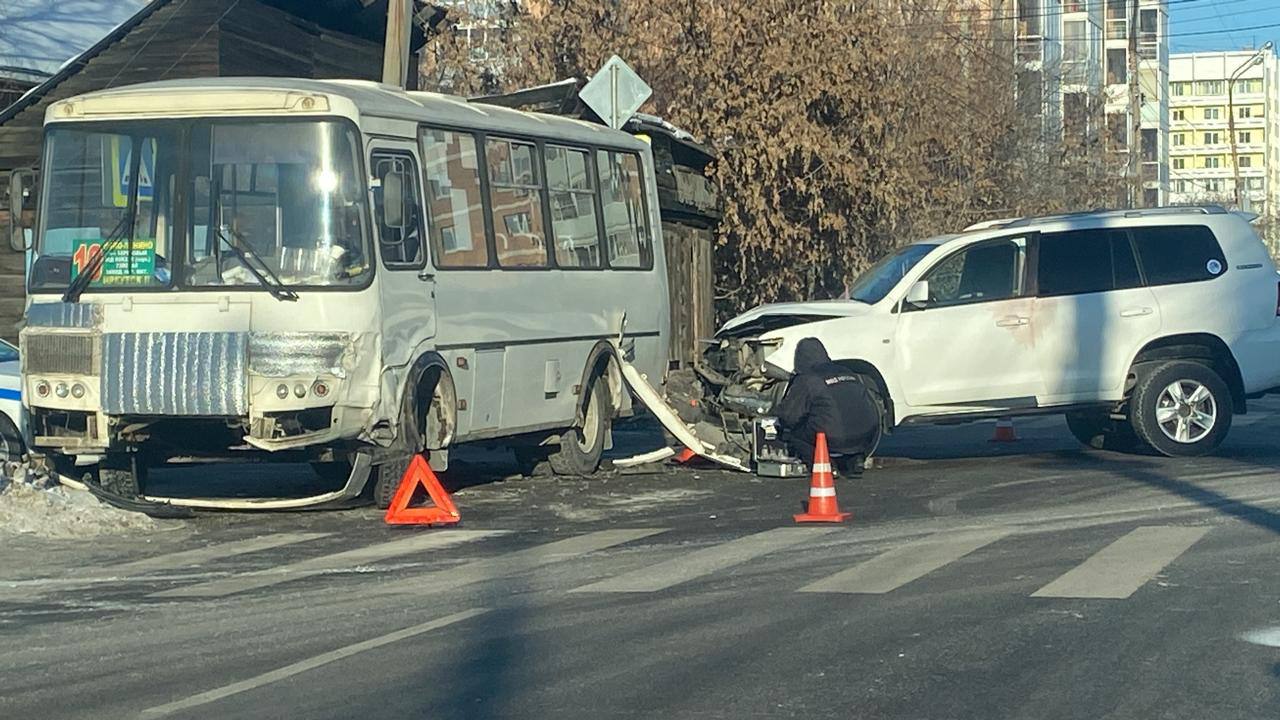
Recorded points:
(335,272)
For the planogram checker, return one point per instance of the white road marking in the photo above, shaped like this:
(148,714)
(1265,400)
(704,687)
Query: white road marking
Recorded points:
(897,567)
(704,562)
(516,562)
(1119,569)
(1267,637)
(312,663)
(433,540)
(188,558)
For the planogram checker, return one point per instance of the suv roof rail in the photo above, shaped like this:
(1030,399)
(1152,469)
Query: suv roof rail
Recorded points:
(1118,212)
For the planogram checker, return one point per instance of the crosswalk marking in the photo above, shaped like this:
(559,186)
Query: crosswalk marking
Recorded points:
(308,664)
(517,562)
(317,566)
(1119,569)
(899,566)
(189,558)
(702,562)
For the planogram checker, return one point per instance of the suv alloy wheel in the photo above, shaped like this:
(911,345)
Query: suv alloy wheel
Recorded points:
(1182,408)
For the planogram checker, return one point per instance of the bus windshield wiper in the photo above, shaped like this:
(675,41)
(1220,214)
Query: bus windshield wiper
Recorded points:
(77,286)
(263,273)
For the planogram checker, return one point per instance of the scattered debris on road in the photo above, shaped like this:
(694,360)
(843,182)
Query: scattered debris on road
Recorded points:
(31,504)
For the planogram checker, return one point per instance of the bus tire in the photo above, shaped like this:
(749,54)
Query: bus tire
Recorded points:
(388,476)
(580,448)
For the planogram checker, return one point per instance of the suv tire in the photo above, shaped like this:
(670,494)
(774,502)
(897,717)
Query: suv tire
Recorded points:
(1097,430)
(1181,408)
(580,448)
(882,411)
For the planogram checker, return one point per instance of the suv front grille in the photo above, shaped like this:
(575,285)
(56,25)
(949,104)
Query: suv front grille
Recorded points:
(60,353)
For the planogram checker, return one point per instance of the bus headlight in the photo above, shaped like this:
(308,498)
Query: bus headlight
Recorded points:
(282,391)
(320,389)
(42,389)
(300,390)
(61,390)
(77,391)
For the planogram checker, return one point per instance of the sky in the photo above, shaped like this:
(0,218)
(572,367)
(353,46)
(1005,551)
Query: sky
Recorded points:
(38,36)
(1216,18)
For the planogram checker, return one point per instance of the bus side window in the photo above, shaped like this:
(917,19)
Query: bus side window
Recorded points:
(626,226)
(397,210)
(451,167)
(573,207)
(515,196)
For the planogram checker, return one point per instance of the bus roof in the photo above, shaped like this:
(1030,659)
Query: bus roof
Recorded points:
(211,97)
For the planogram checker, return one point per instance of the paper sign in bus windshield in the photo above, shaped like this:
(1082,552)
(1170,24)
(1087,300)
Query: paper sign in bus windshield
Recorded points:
(126,264)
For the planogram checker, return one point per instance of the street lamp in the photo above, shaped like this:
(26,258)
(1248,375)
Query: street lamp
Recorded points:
(1254,59)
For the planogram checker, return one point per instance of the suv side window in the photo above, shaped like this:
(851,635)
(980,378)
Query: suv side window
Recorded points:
(979,273)
(1179,254)
(1085,261)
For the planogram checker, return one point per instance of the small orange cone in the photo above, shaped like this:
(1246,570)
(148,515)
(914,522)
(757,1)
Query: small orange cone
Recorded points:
(685,455)
(822,488)
(442,512)
(1004,431)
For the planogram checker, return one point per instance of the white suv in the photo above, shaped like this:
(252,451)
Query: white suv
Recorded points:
(1147,328)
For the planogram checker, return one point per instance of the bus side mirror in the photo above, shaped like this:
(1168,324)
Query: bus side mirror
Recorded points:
(918,295)
(393,199)
(20,182)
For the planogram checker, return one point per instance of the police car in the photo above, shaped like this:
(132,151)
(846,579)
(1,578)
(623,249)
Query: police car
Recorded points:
(11,447)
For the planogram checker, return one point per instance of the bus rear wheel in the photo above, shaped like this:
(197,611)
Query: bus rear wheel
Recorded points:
(580,448)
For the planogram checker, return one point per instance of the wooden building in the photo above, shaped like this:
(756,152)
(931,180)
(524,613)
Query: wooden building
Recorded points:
(174,39)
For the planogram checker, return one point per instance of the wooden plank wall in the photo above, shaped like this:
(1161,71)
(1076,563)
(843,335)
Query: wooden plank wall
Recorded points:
(690,274)
(258,39)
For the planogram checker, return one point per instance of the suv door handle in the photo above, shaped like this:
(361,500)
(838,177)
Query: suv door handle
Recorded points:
(1136,312)
(1012,321)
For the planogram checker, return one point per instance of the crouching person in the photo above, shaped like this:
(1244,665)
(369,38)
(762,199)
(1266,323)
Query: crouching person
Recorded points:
(824,397)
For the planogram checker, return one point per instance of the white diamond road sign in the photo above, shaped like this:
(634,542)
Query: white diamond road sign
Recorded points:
(615,93)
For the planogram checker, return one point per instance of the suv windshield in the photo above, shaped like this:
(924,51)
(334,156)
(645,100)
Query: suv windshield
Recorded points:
(876,281)
(289,194)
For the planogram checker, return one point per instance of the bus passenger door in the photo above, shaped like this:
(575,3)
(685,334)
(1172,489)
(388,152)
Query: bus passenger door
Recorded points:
(406,286)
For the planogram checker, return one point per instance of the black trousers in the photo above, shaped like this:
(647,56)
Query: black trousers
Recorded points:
(850,461)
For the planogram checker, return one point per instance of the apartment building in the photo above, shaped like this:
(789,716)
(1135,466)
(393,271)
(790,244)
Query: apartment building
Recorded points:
(1152,140)
(1073,60)
(1205,104)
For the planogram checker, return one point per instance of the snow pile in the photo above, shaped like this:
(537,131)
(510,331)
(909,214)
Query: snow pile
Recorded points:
(34,505)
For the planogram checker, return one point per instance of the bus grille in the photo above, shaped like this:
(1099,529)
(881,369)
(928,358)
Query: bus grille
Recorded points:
(60,354)
(175,373)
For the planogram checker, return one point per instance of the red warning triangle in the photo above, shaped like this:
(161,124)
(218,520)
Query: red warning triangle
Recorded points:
(419,474)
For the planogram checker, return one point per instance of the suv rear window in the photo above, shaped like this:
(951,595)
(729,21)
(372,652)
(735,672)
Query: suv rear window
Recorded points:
(1085,261)
(1179,254)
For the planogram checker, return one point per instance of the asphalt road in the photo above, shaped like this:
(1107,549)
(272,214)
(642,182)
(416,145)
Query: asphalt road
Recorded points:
(977,580)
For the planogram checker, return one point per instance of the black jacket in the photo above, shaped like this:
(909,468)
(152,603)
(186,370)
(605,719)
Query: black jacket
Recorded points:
(826,397)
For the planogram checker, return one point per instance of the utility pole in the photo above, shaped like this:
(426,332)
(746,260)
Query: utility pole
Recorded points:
(395,53)
(1254,59)
(1135,111)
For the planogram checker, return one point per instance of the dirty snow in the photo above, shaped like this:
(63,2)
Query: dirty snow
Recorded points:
(36,506)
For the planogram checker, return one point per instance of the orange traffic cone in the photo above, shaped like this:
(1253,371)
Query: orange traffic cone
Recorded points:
(822,488)
(686,455)
(441,512)
(1004,431)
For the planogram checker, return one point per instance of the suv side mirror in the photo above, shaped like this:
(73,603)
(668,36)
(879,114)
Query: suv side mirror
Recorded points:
(20,182)
(918,294)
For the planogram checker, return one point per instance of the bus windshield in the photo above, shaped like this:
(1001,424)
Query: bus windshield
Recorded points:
(289,195)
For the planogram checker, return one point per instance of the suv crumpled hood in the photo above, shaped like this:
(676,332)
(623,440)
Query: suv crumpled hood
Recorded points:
(766,318)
